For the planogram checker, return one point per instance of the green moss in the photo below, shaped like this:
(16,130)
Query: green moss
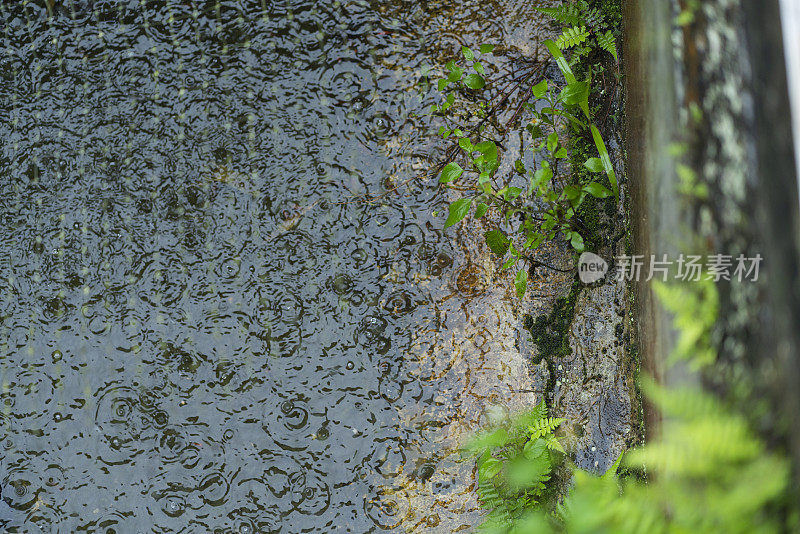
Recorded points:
(550,333)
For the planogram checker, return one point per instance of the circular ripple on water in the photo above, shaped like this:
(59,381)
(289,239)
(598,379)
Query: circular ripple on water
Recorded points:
(121,423)
(291,423)
(310,494)
(161,283)
(46,518)
(172,444)
(19,489)
(213,489)
(113,523)
(387,507)
(371,330)
(173,504)
(471,281)
(281,315)
(400,303)
(174,23)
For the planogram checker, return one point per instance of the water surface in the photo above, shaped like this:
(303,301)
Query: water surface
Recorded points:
(204,328)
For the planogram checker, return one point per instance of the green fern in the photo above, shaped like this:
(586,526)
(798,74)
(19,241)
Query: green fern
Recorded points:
(566,13)
(584,25)
(514,463)
(575,14)
(607,43)
(543,427)
(572,37)
(592,18)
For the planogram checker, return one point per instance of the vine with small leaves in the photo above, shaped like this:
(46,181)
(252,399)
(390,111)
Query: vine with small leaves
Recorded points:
(546,207)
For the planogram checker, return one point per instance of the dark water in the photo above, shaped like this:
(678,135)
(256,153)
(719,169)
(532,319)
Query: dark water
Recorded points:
(201,330)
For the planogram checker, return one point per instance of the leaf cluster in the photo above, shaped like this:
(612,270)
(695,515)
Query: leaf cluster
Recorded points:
(545,207)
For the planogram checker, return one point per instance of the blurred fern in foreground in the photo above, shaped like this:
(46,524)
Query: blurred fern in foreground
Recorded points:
(706,472)
(514,461)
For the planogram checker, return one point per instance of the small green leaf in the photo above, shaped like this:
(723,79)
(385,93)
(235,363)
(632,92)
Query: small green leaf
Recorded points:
(594,164)
(513,192)
(466,144)
(577,241)
(541,177)
(487,440)
(451,173)
(575,93)
(496,241)
(552,141)
(468,55)
(474,81)
(442,84)
(488,149)
(490,468)
(458,210)
(572,192)
(519,166)
(561,153)
(448,102)
(521,282)
(479,68)
(486,48)
(481,210)
(605,159)
(597,190)
(566,71)
(510,262)
(455,74)
(540,89)
(685,18)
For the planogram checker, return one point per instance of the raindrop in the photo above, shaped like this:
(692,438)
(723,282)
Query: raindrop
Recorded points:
(161,419)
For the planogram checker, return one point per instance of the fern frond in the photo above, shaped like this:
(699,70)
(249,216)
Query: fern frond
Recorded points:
(553,444)
(538,412)
(543,427)
(567,13)
(606,42)
(593,18)
(572,37)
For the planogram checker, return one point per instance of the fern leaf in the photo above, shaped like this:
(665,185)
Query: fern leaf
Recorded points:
(593,18)
(567,13)
(554,445)
(572,37)
(543,427)
(606,42)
